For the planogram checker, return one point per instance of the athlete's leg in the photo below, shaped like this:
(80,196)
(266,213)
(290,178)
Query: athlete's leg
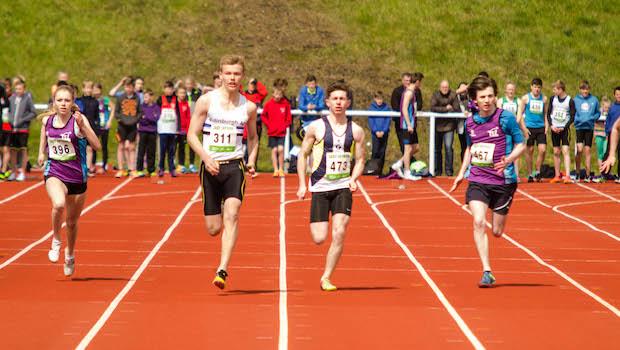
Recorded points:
(131,154)
(556,161)
(14,158)
(57,191)
(499,222)
(6,158)
(214,224)
(24,160)
(231,230)
(588,153)
(339,229)
(578,159)
(120,154)
(274,158)
(479,210)
(566,154)
(75,203)
(529,154)
(281,157)
(542,149)
(407,157)
(319,231)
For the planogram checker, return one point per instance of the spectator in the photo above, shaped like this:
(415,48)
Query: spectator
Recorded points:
(397,96)
(417,81)
(600,138)
(277,118)
(5,131)
(21,112)
(183,110)
(461,96)
(612,116)
(138,84)
(127,112)
(256,92)
(532,109)
(311,98)
(167,128)
(7,87)
(379,129)
(409,134)
(586,114)
(560,115)
(139,87)
(147,127)
(90,109)
(105,106)
(444,101)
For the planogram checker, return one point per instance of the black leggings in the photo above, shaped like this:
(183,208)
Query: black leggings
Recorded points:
(181,141)
(104,148)
(146,146)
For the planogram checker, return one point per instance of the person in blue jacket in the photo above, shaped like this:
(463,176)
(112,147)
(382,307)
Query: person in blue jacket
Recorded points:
(587,112)
(311,98)
(379,129)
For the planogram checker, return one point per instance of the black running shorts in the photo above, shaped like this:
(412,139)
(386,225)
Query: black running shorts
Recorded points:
(537,136)
(585,137)
(229,183)
(336,201)
(497,197)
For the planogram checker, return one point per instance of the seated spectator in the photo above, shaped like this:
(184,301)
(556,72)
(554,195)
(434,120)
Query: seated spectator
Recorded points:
(444,101)
(311,98)
(379,129)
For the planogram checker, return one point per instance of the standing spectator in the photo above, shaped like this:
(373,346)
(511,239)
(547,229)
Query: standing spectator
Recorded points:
(409,134)
(586,114)
(167,128)
(397,96)
(512,104)
(612,116)
(90,109)
(560,115)
(21,112)
(183,110)
(379,129)
(417,81)
(127,112)
(444,101)
(311,98)
(277,118)
(256,92)
(147,127)
(193,94)
(600,138)
(5,132)
(533,109)
(105,108)
(461,96)
(138,84)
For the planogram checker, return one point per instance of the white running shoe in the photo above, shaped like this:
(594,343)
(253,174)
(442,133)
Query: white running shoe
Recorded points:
(398,165)
(20,177)
(412,177)
(54,252)
(69,265)
(11,177)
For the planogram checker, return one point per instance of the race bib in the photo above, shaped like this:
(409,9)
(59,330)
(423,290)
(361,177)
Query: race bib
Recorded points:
(536,106)
(223,138)
(559,117)
(482,154)
(168,116)
(61,149)
(338,165)
(510,107)
(5,115)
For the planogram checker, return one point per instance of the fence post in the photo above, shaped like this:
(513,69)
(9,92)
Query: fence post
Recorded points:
(431,145)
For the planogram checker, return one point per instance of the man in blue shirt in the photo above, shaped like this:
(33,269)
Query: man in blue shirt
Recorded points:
(379,129)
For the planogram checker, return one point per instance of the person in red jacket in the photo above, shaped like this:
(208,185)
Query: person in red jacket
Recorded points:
(185,115)
(277,118)
(256,92)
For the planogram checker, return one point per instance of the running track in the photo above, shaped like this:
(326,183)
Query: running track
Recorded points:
(407,277)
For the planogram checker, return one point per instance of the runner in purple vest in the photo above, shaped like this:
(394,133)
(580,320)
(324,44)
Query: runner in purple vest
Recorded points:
(494,141)
(64,135)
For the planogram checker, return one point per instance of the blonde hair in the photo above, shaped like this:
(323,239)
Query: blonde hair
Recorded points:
(86,83)
(559,84)
(52,110)
(228,60)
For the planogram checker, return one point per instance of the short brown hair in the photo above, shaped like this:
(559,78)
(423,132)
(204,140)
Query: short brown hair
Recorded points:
(338,86)
(584,84)
(232,60)
(378,94)
(480,83)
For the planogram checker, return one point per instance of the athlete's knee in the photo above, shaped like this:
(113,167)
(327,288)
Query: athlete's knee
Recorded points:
(71,223)
(338,234)
(498,230)
(556,151)
(231,216)
(214,228)
(479,224)
(58,204)
(319,235)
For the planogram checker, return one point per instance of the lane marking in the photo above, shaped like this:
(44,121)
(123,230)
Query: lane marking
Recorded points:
(442,298)
(599,192)
(51,232)
(24,191)
(572,217)
(283,302)
(538,259)
(134,278)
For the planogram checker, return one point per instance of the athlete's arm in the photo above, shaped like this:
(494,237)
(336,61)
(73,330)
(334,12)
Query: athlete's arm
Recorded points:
(545,108)
(613,148)
(358,137)
(466,161)
(573,111)
(520,111)
(87,131)
(404,109)
(306,148)
(252,137)
(195,128)
(112,108)
(511,127)
(42,142)
(499,103)
(113,91)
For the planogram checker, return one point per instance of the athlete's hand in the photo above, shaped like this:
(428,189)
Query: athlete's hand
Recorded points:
(556,130)
(410,129)
(301,192)
(456,183)
(79,120)
(212,166)
(501,165)
(607,164)
(546,130)
(352,186)
(251,169)
(41,159)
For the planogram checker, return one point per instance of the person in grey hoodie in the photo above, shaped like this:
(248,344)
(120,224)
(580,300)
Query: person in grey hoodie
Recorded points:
(21,112)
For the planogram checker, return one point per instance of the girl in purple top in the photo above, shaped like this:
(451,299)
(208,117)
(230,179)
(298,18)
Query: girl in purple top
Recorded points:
(64,135)
(494,142)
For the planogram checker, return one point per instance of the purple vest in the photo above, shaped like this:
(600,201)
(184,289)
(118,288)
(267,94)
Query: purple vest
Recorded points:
(66,152)
(488,146)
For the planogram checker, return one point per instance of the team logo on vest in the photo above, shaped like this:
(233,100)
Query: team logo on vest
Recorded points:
(472,133)
(65,136)
(585,106)
(493,132)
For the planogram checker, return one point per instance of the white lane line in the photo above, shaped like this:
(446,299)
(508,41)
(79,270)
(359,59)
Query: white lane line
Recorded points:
(283,302)
(26,190)
(442,298)
(599,192)
(538,259)
(132,281)
(572,217)
(51,232)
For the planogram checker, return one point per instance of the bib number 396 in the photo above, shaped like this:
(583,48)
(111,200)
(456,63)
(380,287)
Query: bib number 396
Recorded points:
(482,154)
(338,165)
(61,149)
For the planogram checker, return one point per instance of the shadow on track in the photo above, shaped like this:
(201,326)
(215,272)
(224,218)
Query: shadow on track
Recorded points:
(365,288)
(522,285)
(89,279)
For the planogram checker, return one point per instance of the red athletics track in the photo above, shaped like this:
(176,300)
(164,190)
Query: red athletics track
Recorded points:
(533,308)
(49,311)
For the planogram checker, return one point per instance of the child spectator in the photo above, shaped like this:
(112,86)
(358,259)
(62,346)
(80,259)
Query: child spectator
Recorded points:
(184,112)
(5,132)
(127,112)
(277,118)
(21,112)
(90,109)
(311,98)
(104,108)
(379,129)
(167,128)
(147,128)
(193,94)
(600,137)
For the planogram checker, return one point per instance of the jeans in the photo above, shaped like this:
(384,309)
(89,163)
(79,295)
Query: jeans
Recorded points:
(444,139)
(146,146)
(379,145)
(167,148)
